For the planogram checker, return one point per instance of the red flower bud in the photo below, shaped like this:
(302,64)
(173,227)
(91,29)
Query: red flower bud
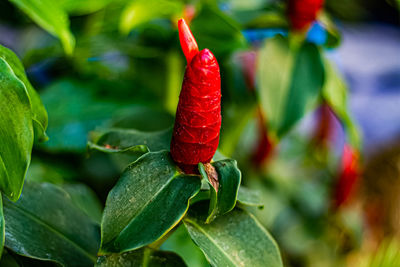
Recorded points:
(303,12)
(348,176)
(198,117)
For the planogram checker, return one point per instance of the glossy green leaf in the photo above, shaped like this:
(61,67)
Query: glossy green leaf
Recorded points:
(249,197)
(290,81)
(223,199)
(141,258)
(16,132)
(51,17)
(84,198)
(150,198)
(334,92)
(234,239)
(83,7)
(141,11)
(39,114)
(216,31)
(45,224)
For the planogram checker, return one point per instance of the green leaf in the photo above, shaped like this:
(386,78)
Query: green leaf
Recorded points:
(334,92)
(51,17)
(2,228)
(141,258)
(127,145)
(306,84)
(290,81)
(45,224)
(216,31)
(274,68)
(74,111)
(16,132)
(234,239)
(142,11)
(85,199)
(249,197)
(222,200)
(130,141)
(83,7)
(181,243)
(150,198)
(39,114)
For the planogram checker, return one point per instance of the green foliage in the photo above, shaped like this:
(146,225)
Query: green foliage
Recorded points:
(51,17)
(223,198)
(151,187)
(58,230)
(235,239)
(16,132)
(39,114)
(215,30)
(291,78)
(141,11)
(141,257)
(334,92)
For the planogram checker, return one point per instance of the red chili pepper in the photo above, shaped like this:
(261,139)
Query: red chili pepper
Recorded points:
(303,12)
(348,176)
(198,117)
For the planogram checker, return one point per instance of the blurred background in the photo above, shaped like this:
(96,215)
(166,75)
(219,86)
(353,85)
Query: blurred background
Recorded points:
(330,184)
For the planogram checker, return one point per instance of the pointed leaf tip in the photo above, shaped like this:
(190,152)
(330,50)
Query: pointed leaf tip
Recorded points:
(186,38)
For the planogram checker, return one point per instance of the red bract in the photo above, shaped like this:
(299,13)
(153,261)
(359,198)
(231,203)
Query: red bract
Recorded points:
(265,145)
(198,117)
(303,12)
(348,176)
(325,126)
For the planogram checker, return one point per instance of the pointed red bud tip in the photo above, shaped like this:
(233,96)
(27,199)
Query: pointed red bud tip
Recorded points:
(188,43)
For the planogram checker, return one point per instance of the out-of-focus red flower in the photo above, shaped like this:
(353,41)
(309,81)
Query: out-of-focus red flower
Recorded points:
(303,12)
(348,176)
(265,146)
(325,125)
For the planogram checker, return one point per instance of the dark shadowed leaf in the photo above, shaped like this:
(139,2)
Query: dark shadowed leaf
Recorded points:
(216,31)
(84,198)
(234,239)
(150,198)
(45,224)
(16,132)
(140,258)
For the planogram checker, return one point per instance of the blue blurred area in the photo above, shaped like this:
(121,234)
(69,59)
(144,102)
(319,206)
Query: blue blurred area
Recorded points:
(369,58)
